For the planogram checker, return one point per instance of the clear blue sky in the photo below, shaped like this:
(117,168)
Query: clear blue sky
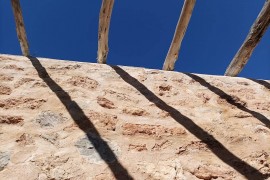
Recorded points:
(140,34)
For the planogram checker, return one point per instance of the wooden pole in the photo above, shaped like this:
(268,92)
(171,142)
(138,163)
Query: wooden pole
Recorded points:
(179,34)
(256,33)
(21,33)
(103,30)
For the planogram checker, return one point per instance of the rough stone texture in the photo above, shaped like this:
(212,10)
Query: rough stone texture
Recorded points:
(5,90)
(4,159)
(72,120)
(87,146)
(49,119)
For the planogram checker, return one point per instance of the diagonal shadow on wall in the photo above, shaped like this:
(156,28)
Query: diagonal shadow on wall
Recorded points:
(214,145)
(230,99)
(83,122)
(262,82)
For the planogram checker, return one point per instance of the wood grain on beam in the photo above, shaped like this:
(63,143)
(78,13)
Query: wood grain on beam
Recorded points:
(21,33)
(103,30)
(256,33)
(181,27)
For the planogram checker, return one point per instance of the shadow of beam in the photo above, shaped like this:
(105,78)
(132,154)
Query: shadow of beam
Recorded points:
(214,145)
(230,99)
(262,82)
(83,122)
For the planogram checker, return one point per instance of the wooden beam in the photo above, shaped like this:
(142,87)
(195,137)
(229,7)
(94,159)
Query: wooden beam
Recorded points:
(21,33)
(179,34)
(103,30)
(256,33)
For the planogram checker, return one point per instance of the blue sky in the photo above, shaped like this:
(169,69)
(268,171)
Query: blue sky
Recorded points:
(140,33)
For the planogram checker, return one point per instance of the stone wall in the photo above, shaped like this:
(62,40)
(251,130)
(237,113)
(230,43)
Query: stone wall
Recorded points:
(72,120)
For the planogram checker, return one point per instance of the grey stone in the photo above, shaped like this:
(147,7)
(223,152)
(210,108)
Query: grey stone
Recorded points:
(49,119)
(4,159)
(97,150)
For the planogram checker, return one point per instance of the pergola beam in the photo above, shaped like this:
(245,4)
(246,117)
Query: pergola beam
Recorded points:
(103,30)
(257,31)
(179,34)
(21,33)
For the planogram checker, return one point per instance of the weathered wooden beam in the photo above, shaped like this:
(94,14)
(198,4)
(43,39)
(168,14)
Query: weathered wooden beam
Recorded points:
(179,34)
(103,30)
(256,33)
(21,33)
